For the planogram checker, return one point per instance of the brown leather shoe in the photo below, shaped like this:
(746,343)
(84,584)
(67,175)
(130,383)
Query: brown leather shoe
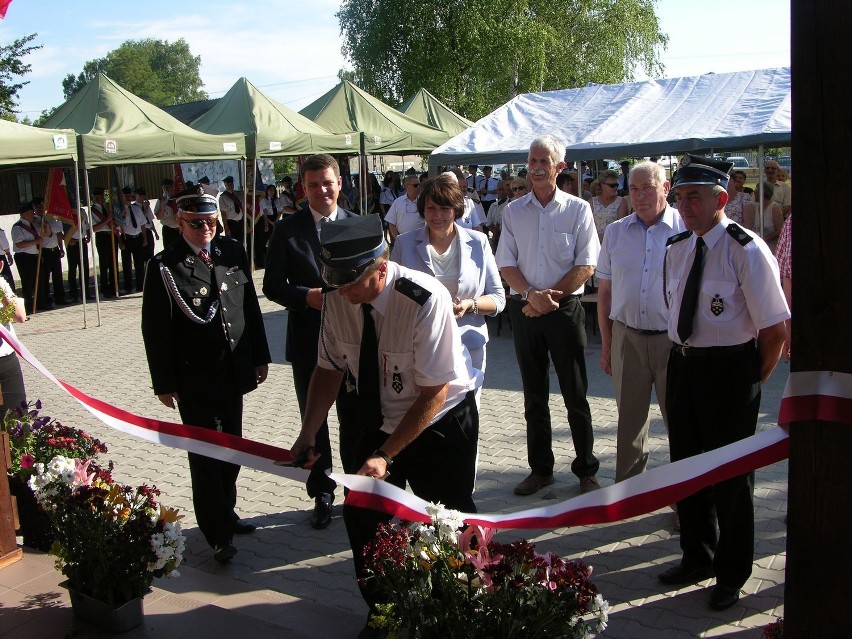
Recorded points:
(533,483)
(588,484)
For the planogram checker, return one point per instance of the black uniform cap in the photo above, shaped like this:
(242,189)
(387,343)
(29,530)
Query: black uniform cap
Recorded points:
(25,207)
(195,200)
(140,191)
(697,169)
(98,190)
(349,247)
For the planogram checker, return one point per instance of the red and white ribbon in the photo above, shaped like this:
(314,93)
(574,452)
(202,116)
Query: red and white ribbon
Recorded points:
(638,495)
(817,396)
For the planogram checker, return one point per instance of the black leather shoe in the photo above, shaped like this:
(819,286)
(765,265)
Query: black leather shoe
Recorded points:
(321,516)
(224,553)
(242,528)
(723,597)
(681,575)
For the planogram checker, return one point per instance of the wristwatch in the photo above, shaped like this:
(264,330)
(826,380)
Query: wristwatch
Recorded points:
(527,292)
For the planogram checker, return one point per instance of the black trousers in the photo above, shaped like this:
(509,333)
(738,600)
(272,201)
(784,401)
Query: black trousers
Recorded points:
(150,247)
(104,244)
(559,337)
(6,270)
(12,391)
(347,416)
(52,270)
(261,238)
(170,235)
(440,466)
(27,266)
(133,258)
(214,482)
(74,270)
(711,402)
(235,228)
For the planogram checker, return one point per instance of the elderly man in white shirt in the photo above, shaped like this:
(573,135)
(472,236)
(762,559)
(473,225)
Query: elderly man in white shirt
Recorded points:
(631,313)
(547,252)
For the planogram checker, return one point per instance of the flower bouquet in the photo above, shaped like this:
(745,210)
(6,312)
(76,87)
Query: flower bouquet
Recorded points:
(442,583)
(111,539)
(34,439)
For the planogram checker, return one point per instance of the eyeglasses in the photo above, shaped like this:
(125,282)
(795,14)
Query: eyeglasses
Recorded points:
(198,222)
(413,184)
(515,189)
(611,185)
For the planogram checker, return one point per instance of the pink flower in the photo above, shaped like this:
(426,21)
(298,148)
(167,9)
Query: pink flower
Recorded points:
(27,461)
(82,476)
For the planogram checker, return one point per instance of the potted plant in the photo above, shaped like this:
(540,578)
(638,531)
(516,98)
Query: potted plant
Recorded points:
(111,540)
(34,439)
(441,583)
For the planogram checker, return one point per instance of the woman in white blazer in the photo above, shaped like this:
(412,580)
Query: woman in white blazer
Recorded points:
(461,259)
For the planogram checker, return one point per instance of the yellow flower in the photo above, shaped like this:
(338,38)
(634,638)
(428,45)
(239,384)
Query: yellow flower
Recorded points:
(169,515)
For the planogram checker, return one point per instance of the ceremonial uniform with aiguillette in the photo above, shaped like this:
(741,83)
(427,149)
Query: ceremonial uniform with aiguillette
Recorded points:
(204,338)
(723,293)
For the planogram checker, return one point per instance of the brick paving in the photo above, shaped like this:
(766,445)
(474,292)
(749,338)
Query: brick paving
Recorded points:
(288,577)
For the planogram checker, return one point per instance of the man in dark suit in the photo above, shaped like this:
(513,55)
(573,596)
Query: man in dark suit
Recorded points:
(206,347)
(293,279)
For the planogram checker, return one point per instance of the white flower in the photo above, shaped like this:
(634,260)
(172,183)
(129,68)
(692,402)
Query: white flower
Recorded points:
(602,606)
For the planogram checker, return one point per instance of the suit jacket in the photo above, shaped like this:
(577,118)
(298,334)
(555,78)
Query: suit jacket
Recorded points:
(478,274)
(293,267)
(202,360)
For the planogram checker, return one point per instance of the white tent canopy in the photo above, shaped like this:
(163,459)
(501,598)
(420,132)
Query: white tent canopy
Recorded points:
(654,117)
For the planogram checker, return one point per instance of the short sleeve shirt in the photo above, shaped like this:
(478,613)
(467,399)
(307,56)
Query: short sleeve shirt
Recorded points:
(403,213)
(740,291)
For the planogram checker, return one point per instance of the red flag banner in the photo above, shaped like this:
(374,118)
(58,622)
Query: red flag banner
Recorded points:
(56,201)
(4,6)
(179,184)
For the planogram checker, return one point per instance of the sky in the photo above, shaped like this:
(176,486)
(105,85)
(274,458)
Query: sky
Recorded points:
(291,50)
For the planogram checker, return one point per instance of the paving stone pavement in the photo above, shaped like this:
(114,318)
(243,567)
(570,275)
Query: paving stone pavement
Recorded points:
(287,572)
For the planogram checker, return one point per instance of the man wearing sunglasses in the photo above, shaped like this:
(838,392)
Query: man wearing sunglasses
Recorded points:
(206,347)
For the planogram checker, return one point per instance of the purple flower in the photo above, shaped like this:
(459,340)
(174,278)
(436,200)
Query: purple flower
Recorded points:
(27,461)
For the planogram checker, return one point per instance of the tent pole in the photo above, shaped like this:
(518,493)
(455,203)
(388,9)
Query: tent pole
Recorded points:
(84,288)
(362,172)
(95,265)
(245,201)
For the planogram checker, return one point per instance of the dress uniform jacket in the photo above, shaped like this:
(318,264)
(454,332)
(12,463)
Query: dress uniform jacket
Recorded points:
(203,329)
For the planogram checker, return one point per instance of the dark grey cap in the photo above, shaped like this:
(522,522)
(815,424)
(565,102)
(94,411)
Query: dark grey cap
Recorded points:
(349,247)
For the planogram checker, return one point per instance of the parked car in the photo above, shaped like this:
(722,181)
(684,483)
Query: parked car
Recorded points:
(786,163)
(739,161)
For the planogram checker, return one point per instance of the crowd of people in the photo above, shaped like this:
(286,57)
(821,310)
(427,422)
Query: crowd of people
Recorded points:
(387,321)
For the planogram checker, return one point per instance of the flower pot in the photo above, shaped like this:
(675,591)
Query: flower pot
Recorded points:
(121,619)
(35,525)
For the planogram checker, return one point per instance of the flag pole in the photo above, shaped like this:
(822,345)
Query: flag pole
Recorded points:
(91,249)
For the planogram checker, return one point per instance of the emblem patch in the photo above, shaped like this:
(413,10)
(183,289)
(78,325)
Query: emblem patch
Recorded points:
(217,251)
(396,382)
(189,260)
(717,305)
(202,290)
(224,287)
(196,301)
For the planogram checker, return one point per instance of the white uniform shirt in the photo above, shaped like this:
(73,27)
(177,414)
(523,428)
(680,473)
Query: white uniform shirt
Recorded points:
(632,258)
(487,184)
(166,213)
(50,238)
(98,217)
(228,208)
(545,242)
(4,242)
(782,194)
(739,282)
(127,220)
(419,345)
(403,213)
(472,216)
(23,232)
(82,230)
(266,209)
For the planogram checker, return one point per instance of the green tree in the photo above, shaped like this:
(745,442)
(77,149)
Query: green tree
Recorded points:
(158,71)
(12,67)
(477,54)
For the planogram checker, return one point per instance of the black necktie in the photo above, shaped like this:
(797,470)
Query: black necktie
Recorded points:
(690,293)
(369,400)
(133,217)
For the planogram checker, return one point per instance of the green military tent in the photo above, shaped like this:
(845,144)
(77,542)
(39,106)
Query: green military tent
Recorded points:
(425,107)
(24,144)
(372,126)
(116,127)
(270,128)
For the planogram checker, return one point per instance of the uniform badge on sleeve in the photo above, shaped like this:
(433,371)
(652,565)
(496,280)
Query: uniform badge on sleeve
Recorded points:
(196,301)
(717,305)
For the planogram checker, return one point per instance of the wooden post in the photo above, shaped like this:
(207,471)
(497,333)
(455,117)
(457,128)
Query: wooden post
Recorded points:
(9,550)
(819,563)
